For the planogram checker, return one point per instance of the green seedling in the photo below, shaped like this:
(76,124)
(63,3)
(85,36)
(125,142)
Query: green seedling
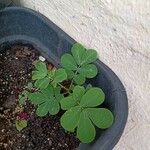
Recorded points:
(46,100)
(21,124)
(81,106)
(43,77)
(79,65)
(82,113)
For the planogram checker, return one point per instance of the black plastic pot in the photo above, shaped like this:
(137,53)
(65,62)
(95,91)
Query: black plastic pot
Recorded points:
(22,25)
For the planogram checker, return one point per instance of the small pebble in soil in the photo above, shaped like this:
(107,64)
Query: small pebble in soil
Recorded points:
(41,58)
(49,142)
(23,136)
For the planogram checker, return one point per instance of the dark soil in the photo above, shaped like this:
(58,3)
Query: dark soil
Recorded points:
(42,133)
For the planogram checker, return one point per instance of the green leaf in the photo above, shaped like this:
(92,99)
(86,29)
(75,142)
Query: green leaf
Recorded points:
(85,130)
(48,92)
(50,106)
(70,74)
(74,99)
(43,109)
(41,66)
(42,83)
(68,102)
(54,84)
(21,124)
(89,86)
(23,97)
(36,98)
(68,62)
(22,100)
(51,74)
(77,51)
(25,93)
(79,79)
(101,117)
(46,101)
(54,107)
(89,70)
(92,98)
(89,57)
(41,71)
(70,118)
(58,95)
(29,86)
(72,87)
(78,92)
(60,75)
(37,75)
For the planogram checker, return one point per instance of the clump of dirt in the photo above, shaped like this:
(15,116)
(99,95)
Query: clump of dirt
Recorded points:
(16,64)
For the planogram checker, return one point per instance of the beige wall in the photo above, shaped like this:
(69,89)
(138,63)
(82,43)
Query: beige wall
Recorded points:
(120,31)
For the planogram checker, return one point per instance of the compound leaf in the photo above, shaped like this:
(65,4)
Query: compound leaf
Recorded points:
(46,101)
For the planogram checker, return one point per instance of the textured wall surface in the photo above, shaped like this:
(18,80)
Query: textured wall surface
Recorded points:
(120,31)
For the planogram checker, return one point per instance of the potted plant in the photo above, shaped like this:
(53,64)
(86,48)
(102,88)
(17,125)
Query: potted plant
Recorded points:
(62,88)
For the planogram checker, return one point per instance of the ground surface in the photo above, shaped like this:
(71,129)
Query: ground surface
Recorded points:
(120,31)
(45,133)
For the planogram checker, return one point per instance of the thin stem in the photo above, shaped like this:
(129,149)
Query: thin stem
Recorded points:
(68,90)
(73,77)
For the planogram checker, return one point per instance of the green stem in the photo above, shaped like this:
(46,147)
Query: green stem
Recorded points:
(73,77)
(68,90)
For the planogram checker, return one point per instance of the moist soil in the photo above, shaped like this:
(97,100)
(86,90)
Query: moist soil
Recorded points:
(16,64)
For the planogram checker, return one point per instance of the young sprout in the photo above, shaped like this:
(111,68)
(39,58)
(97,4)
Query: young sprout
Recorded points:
(81,104)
